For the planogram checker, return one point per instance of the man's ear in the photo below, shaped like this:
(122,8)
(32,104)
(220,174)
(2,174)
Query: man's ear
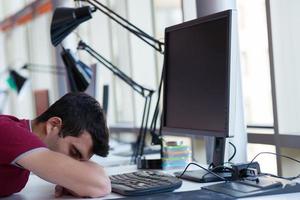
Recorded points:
(53,125)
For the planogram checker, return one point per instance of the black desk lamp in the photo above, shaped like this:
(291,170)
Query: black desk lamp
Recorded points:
(16,80)
(65,20)
(74,69)
(79,74)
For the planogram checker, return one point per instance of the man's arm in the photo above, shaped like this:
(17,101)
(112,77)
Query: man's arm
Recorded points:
(85,178)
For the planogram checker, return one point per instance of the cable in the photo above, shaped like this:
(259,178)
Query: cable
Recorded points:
(276,154)
(211,166)
(287,178)
(208,171)
(234,151)
(224,169)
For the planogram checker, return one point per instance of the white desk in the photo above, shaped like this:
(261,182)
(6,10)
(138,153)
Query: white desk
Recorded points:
(38,189)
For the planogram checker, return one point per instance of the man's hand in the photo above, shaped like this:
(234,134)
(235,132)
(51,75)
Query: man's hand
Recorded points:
(60,191)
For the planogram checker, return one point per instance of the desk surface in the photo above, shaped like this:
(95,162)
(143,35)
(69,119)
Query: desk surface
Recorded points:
(38,189)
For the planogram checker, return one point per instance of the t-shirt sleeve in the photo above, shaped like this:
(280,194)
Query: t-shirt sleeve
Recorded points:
(15,141)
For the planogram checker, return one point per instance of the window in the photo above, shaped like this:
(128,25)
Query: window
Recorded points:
(255,62)
(280,26)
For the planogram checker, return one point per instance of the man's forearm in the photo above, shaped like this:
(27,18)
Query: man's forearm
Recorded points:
(85,178)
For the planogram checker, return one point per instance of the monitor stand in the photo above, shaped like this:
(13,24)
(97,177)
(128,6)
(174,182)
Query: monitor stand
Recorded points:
(216,147)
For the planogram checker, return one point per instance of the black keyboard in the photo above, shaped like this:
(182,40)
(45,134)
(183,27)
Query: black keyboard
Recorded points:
(143,183)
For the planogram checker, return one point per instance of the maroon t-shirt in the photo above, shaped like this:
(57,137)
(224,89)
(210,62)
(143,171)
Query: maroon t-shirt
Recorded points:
(16,140)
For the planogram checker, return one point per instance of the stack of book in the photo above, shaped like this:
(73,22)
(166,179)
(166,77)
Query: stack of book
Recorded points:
(176,156)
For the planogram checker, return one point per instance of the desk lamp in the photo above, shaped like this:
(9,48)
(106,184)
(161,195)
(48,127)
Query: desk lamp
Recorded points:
(79,74)
(82,73)
(15,80)
(65,20)
(74,69)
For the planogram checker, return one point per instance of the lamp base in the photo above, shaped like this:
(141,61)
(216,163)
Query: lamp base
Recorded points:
(143,163)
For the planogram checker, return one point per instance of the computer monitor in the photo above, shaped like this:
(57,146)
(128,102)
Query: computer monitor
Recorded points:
(197,89)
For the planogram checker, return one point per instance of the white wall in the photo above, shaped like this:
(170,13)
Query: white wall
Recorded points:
(40,52)
(27,43)
(142,55)
(16,53)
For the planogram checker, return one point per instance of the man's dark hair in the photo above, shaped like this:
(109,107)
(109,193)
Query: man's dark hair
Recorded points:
(80,112)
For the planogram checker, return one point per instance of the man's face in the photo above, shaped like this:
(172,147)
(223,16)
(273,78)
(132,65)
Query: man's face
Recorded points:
(79,148)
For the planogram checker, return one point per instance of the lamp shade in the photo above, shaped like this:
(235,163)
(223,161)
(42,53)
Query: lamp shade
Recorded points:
(65,20)
(15,80)
(79,74)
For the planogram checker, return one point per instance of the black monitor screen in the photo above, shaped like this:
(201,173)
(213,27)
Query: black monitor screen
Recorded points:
(196,81)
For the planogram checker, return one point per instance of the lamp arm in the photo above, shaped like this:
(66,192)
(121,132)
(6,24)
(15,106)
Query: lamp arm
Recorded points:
(35,65)
(141,140)
(138,152)
(3,91)
(53,69)
(141,32)
(127,25)
(115,70)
